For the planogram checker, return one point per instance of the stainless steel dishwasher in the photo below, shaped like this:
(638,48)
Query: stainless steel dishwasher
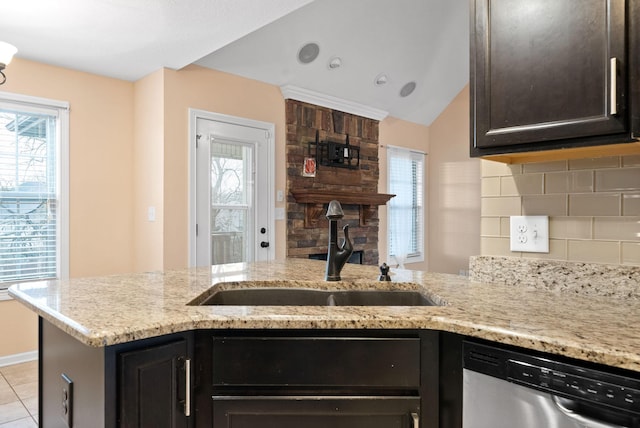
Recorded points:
(504,388)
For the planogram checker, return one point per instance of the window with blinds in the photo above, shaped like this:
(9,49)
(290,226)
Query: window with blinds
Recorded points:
(405,211)
(29,191)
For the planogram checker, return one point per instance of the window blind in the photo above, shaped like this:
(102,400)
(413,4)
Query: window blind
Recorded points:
(406,209)
(28,194)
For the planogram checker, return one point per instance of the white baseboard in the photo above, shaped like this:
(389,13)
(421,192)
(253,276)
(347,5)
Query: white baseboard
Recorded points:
(9,360)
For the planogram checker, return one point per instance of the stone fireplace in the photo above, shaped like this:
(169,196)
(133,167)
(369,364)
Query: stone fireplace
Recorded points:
(355,189)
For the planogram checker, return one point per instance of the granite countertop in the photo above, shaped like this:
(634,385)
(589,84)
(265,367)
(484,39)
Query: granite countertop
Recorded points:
(115,309)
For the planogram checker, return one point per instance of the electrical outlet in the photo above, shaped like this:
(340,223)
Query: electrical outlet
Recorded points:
(529,234)
(67,400)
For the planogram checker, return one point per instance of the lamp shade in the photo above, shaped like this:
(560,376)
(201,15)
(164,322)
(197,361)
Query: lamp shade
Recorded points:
(7,52)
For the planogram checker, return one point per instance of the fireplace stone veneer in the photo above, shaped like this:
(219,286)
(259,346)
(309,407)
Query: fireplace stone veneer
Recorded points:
(307,227)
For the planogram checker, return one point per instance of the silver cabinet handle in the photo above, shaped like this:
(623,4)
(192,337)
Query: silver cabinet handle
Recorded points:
(416,420)
(613,75)
(582,420)
(187,386)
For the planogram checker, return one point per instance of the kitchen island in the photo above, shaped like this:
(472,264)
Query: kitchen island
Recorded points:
(114,312)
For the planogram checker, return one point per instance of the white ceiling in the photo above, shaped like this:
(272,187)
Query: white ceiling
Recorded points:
(425,41)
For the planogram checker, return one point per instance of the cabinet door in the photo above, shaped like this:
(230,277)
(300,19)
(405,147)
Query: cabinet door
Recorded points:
(153,387)
(316,412)
(547,72)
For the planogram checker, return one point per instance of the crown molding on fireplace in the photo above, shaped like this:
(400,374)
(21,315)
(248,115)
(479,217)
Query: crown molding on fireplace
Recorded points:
(334,103)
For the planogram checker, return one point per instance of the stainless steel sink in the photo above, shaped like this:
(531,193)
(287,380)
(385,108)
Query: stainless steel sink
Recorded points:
(263,296)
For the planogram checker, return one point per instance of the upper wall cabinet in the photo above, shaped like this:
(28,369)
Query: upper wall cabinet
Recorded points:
(551,77)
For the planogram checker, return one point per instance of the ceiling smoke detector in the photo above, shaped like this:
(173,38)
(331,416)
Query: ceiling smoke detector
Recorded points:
(407,89)
(335,62)
(381,79)
(308,53)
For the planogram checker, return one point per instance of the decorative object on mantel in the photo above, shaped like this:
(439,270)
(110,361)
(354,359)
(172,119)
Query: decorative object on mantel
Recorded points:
(335,154)
(315,198)
(309,166)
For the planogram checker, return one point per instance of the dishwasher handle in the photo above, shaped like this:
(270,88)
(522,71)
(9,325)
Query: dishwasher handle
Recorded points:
(561,404)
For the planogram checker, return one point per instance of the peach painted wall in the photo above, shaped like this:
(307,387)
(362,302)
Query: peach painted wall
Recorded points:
(400,133)
(454,190)
(148,175)
(100,161)
(101,135)
(213,91)
(18,329)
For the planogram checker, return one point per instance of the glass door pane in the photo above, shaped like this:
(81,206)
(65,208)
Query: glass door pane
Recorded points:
(231,202)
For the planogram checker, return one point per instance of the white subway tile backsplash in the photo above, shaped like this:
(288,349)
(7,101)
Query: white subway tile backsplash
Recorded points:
(526,184)
(505,226)
(557,251)
(544,167)
(631,204)
(595,204)
(620,179)
(497,169)
(593,251)
(490,186)
(631,253)
(569,182)
(593,207)
(496,247)
(595,163)
(506,206)
(570,227)
(490,226)
(550,205)
(631,160)
(616,229)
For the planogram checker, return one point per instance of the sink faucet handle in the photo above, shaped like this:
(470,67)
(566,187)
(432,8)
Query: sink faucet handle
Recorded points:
(384,273)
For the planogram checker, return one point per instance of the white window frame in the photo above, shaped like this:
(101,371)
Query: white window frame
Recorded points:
(61,110)
(418,156)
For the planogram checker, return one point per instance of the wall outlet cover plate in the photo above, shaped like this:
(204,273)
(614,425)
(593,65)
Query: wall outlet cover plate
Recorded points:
(529,234)
(66,389)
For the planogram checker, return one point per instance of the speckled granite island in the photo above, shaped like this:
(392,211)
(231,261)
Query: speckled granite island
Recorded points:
(582,311)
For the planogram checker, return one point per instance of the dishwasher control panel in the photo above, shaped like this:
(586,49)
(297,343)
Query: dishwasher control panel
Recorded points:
(556,375)
(588,387)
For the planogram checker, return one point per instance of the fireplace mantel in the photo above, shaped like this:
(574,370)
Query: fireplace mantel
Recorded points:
(315,198)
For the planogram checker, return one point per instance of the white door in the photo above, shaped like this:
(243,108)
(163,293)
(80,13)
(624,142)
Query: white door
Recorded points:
(233,197)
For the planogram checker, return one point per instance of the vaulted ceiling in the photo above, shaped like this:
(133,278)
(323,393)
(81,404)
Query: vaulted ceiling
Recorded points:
(397,41)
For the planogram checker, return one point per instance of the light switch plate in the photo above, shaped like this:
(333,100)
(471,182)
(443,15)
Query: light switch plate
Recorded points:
(151,213)
(529,234)
(279,213)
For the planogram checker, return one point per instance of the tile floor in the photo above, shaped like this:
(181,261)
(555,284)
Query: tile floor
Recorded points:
(19,395)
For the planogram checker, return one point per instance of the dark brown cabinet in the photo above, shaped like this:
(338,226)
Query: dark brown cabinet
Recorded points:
(318,379)
(255,378)
(316,412)
(154,386)
(143,383)
(550,74)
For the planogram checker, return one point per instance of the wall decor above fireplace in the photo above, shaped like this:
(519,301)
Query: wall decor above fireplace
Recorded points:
(334,153)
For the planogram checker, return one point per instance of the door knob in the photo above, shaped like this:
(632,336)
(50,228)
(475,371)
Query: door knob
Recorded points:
(264,244)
